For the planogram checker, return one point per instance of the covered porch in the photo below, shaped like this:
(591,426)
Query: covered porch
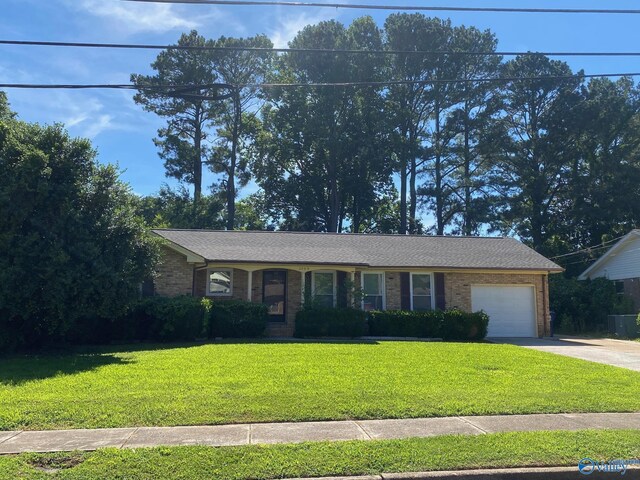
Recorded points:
(283,288)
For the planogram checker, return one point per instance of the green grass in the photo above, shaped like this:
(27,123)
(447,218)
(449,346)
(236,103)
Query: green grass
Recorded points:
(243,382)
(338,458)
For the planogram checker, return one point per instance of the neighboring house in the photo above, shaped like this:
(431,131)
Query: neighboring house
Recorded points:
(501,276)
(621,263)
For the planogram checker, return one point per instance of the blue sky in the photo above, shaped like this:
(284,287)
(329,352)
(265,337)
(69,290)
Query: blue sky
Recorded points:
(122,132)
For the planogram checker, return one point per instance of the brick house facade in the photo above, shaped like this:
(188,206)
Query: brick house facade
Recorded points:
(185,272)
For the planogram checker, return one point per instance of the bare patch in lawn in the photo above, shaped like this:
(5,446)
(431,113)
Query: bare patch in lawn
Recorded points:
(53,463)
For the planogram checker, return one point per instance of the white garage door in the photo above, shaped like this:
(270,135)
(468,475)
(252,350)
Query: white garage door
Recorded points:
(511,310)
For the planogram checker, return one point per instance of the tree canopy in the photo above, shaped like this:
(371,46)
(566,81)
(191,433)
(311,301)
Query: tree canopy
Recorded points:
(72,245)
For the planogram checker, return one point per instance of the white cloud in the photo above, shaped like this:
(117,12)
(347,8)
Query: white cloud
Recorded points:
(289,26)
(137,18)
(98,125)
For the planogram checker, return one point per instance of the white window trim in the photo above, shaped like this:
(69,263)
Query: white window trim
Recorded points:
(213,269)
(433,297)
(383,287)
(335,283)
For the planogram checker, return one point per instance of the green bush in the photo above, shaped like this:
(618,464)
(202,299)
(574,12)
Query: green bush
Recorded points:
(160,319)
(402,323)
(71,244)
(463,326)
(174,319)
(450,325)
(238,319)
(318,322)
(583,306)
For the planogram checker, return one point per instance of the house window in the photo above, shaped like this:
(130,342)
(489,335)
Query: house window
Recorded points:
(372,291)
(324,288)
(219,282)
(421,292)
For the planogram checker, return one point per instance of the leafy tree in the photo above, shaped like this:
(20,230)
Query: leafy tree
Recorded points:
(175,209)
(536,148)
(72,246)
(238,120)
(410,106)
(5,110)
(321,156)
(467,124)
(185,141)
(605,174)
(251,213)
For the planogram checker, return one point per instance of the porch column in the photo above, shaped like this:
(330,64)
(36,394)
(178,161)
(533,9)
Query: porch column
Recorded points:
(249,284)
(303,278)
(353,287)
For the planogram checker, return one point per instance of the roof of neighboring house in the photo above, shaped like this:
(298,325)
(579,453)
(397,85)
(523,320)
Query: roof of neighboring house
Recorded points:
(598,268)
(366,250)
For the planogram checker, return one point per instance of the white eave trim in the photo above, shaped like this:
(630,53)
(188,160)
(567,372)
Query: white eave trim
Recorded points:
(612,251)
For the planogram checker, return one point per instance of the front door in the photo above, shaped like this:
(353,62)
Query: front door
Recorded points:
(274,293)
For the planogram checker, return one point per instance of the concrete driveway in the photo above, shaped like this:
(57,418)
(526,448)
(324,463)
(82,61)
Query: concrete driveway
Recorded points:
(619,353)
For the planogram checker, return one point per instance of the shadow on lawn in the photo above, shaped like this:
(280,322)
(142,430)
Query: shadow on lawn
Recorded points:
(19,370)
(141,347)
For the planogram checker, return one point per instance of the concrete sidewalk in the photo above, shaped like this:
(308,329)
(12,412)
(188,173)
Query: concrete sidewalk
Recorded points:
(269,433)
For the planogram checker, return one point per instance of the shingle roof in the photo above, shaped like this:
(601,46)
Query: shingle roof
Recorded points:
(376,251)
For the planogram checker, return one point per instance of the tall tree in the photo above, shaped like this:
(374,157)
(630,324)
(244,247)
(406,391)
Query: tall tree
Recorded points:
(602,197)
(315,140)
(409,105)
(464,194)
(238,116)
(537,147)
(184,142)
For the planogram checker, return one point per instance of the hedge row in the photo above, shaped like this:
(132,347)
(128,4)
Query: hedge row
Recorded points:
(185,318)
(450,325)
(330,322)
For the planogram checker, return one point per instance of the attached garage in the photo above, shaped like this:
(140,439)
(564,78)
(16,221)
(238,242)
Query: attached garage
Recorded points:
(511,309)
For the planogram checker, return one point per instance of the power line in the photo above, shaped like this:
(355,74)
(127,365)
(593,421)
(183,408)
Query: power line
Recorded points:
(309,50)
(117,86)
(589,249)
(439,81)
(396,7)
(35,86)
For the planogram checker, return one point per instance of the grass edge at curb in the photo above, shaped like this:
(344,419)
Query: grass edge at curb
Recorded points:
(327,459)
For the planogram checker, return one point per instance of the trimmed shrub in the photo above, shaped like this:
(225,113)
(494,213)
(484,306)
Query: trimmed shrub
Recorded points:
(462,326)
(238,319)
(402,323)
(330,322)
(450,325)
(174,319)
(151,319)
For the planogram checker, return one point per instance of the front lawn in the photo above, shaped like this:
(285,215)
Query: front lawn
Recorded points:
(270,381)
(324,459)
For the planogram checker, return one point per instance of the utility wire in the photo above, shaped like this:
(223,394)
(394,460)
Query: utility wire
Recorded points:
(310,50)
(36,86)
(180,89)
(415,8)
(589,249)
